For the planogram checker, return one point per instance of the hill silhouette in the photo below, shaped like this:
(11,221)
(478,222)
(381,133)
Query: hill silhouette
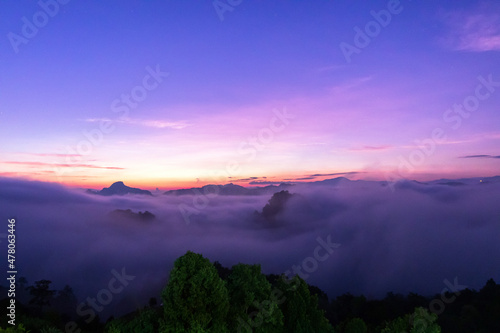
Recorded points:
(119,188)
(129,214)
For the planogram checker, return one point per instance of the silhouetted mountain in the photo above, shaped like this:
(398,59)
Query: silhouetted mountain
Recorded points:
(333,181)
(119,188)
(229,189)
(466,181)
(450,183)
(129,214)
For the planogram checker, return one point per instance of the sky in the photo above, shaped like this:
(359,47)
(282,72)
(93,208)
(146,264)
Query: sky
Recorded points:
(174,94)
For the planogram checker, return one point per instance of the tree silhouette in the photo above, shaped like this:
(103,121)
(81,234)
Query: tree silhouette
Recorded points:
(195,298)
(421,321)
(65,301)
(276,204)
(253,308)
(41,293)
(300,308)
(356,325)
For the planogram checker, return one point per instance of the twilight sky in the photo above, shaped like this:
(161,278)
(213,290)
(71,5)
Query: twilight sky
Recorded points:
(170,93)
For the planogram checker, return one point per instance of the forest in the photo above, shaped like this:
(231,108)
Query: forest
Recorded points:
(202,296)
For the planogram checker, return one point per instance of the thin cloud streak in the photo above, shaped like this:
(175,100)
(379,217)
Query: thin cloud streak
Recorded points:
(371,148)
(479,156)
(350,85)
(143,122)
(75,165)
(265,182)
(51,155)
(335,174)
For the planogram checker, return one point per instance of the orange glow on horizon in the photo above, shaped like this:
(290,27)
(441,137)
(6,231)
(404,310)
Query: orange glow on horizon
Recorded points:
(173,184)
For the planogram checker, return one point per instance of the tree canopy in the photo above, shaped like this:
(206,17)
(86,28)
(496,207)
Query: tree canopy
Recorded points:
(196,298)
(201,296)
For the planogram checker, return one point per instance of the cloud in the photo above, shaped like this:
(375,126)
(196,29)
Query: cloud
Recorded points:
(74,165)
(161,124)
(244,179)
(144,122)
(331,68)
(10,174)
(479,156)
(265,182)
(350,85)
(335,174)
(27,192)
(409,240)
(51,155)
(478,31)
(371,148)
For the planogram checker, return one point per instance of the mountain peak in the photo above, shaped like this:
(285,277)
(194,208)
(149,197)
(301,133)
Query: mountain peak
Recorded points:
(119,188)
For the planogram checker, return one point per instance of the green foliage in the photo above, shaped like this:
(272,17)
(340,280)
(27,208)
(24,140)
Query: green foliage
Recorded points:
(398,325)
(144,321)
(50,330)
(356,325)
(300,308)
(421,321)
(424,322)
(116,326)
(201,297)
(112,328)
(14,329)
(195,298)
(253,307)
(34,323)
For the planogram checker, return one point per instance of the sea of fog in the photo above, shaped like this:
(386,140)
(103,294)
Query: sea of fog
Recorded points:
(411,239)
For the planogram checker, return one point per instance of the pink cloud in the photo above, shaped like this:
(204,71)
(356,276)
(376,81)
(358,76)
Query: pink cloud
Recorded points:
(478,32)
(371,148)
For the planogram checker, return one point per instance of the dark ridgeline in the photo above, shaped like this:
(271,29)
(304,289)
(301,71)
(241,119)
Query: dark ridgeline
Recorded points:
(229,189)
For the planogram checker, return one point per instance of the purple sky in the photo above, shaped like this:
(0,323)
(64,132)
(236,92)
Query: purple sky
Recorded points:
(272,91)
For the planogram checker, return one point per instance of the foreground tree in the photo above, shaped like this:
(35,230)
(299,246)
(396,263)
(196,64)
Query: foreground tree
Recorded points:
(144,321)
(300,308)
(195,298)
(14,329)
(356,325)
(421,321)
(253,307)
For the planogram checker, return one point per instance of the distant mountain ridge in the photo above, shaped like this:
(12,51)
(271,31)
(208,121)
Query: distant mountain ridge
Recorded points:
(119,188)
(467,181)
(229,189)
